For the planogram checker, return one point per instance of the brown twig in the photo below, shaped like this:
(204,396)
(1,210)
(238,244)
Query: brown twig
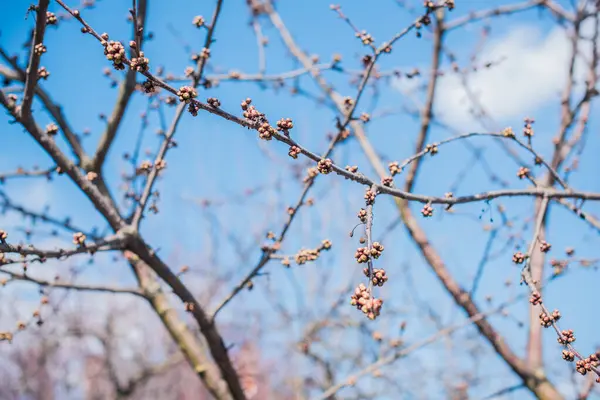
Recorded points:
(37,49)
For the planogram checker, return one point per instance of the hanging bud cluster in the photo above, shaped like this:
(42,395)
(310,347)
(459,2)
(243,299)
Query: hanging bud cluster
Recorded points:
(365,302)
(115,52)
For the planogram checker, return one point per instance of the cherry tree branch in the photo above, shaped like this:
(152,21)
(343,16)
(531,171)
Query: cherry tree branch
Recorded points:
(507,10)
(71,286)
(37,49)
(166,144)
(126,89)
(351,380)
(538,385)
(113,242)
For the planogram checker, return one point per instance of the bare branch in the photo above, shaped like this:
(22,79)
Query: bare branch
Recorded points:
(71,286)
(37,49)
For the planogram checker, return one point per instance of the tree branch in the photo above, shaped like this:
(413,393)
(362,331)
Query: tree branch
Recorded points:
(72,286)
(34,59)
(126,89)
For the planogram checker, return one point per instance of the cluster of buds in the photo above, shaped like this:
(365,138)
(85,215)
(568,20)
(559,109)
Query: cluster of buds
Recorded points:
(148,86)
(39,49)
(91,176)
(205,53)
(427,211)
(394,168)
(43,73)
(547,320)
(376,249)
(366,303)
(378,277)
(8,336)
(186,94)
(364,117)
(266,131)
(362,215)
(115,52)
(294,151)
(523,172)
(518,258)
(343,134)
(535,299)
(256,117)
(139,63)
(370,197)
(429,5)
(306,255)
(387,181)
(285,124)
(568,355)
(365,38)
(12,99)
(431,149)
(351,168)
(3,235)
(528,129)
(423,20)
(508,132)
(566,337)
(362,255)
(545,246)
(558,265)
(198,21)
(213,102)
(51,18)
(51,129)
(193,108)
(348,102)
(79,239)
(160,164)
(325,166)
(145,167)
(587,364)
(366,60)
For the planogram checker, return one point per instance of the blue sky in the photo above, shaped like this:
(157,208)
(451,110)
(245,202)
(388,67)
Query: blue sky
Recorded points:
(216,159)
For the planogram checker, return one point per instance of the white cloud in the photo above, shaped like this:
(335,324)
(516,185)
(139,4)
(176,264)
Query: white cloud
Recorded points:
(532,73)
